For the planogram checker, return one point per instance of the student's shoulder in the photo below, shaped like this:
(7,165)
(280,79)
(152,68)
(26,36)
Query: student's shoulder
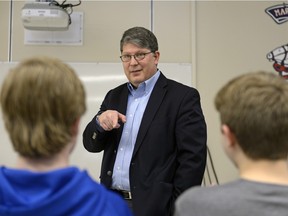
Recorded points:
(204,193)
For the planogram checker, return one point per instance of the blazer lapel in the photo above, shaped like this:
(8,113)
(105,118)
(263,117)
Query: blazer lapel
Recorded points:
(153,105)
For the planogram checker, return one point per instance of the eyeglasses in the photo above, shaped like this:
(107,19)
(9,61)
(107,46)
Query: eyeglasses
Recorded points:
(137,57)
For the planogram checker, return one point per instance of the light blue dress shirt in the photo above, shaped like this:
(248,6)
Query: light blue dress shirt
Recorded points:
(137,101)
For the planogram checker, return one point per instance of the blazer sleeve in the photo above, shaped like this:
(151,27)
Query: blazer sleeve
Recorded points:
(92,137)
(95,139)
(191,138)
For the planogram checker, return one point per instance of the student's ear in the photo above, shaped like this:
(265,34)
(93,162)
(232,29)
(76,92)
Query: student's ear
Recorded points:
(228,135)
(75,127)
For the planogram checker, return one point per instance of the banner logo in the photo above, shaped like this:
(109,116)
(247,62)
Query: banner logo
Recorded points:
(280,58)
(279,13)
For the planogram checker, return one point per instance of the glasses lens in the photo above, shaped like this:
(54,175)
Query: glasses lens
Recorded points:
(125,58)
(140,56)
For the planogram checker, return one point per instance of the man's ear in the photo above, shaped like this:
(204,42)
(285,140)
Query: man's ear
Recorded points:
(157,56)
(228,135)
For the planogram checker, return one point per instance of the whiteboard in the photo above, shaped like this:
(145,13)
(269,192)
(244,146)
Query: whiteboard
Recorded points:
(98,79)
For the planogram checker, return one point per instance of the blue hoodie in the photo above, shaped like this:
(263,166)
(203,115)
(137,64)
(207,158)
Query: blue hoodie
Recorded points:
(65,192)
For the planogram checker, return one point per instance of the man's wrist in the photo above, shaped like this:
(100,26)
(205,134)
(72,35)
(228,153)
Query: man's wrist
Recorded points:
(97,119)
(98,126)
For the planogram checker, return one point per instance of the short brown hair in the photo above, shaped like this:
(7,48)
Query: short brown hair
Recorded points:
(41,98)
(255,107)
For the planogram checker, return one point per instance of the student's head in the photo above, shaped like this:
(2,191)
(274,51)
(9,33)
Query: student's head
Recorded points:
(255,108)
(139,54)
(41,99)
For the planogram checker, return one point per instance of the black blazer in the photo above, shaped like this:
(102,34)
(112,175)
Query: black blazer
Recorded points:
(170,151)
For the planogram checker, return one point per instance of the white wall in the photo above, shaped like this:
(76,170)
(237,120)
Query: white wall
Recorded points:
(97,80)
(219,39)
(233,37)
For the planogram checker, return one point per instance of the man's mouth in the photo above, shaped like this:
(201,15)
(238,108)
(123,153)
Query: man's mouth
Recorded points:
(135,71)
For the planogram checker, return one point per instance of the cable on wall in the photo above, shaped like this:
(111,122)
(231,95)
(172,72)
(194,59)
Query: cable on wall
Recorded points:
(152,15)
(210,164)
(10,32)
(66,6)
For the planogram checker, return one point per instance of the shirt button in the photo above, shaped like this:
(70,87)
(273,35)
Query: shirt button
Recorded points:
(109,173)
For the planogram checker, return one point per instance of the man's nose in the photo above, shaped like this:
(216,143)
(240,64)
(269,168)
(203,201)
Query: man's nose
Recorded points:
(133,60)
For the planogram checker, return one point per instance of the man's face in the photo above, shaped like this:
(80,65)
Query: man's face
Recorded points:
(137,71)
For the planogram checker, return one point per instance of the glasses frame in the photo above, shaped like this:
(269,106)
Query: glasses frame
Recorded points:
(135,56)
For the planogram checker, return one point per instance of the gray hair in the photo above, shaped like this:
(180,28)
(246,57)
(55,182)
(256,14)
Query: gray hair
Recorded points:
(140,37)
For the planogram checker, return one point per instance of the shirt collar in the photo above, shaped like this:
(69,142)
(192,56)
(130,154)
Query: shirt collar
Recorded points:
(145,86)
